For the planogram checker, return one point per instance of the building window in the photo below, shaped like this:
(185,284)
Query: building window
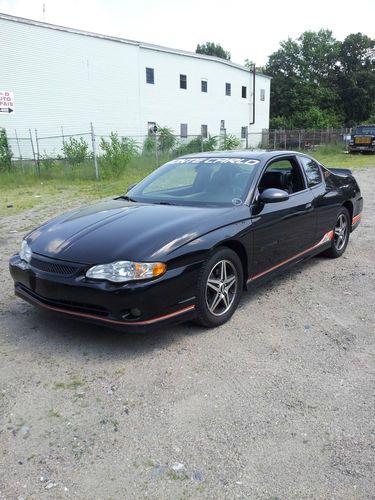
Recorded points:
(183,82)
(150,75)
(228,89)
(183,130)
(243,132)
(204,85)
(151,128)
(222,124)
(262,94)
(204,131)
(244,92)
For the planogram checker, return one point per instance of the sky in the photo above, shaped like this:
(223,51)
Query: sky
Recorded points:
(249,29)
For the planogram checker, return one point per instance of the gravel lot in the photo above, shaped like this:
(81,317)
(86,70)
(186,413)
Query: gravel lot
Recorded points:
(276,404)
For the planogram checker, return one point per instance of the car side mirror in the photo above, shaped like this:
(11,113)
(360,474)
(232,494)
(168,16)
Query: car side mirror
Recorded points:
(131,186)
(273,195)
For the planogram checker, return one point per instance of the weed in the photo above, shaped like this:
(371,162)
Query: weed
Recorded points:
(54,413)
(176,476)
(76,151)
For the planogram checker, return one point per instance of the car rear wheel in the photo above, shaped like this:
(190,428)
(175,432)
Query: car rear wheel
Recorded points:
(219,288)
(341,234)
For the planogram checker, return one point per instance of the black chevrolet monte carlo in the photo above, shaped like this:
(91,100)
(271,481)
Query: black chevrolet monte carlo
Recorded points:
(188,239)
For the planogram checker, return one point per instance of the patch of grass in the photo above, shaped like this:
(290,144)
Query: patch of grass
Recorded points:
(115,424)
(57,186)
(333,156)
(73,384)
(176,476)
(148,463)
(59,385)
(54,413)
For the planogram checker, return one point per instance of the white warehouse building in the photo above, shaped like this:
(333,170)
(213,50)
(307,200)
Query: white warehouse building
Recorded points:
(62,79)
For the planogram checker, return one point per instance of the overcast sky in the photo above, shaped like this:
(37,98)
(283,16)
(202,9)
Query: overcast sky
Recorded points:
(247,28)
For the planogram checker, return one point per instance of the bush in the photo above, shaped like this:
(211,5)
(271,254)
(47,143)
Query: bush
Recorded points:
(48,161)
(5,152)
(117,153)
(164,140)
(76,151)
(196,146)
(231,142)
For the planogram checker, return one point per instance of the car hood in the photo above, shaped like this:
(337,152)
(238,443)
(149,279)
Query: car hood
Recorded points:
(121,230)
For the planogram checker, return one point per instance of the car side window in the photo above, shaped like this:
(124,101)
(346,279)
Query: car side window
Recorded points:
(312,171)
(282,174)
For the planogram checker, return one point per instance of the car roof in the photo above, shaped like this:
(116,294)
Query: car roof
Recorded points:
(254,155)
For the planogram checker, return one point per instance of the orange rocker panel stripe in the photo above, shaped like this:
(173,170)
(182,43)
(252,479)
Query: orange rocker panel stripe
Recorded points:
(91,316)
(327,237)
(356,219)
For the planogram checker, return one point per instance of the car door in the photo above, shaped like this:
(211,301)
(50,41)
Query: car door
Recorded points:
(282,230)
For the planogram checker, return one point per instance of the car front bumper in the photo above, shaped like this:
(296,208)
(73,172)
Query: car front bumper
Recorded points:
(134,306)
(356,148)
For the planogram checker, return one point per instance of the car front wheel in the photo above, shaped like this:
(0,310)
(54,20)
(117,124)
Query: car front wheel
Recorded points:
(219,288)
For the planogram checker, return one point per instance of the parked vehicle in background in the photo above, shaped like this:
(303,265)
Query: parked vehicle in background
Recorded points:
(363,140)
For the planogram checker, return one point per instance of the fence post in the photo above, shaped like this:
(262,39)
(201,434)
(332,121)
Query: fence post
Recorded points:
(18,145)
(37,151)
(299,139)
(32,148)
(156,148)
(94,151)
(284,139)
(62,133)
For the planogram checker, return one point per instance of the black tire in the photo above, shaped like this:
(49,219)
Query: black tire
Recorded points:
(220,282)
(341,236)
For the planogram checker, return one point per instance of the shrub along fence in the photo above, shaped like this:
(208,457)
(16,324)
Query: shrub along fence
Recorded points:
(110,154)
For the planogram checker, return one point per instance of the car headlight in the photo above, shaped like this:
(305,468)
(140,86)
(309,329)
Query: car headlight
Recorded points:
(125,270)
(25,252)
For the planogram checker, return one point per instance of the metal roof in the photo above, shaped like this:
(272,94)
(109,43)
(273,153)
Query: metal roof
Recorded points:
(142,45)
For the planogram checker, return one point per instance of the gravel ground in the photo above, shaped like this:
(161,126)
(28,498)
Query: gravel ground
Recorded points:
(276,404)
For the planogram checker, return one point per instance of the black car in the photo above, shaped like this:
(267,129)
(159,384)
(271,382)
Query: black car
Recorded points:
(188,239)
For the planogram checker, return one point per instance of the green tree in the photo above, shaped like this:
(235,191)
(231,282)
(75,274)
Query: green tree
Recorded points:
(356,77)
(213,49)
(304,77)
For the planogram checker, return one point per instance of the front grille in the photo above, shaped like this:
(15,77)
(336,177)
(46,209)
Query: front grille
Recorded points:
(54,267)
(70,305)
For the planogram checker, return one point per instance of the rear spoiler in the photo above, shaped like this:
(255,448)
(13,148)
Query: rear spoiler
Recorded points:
(340,171)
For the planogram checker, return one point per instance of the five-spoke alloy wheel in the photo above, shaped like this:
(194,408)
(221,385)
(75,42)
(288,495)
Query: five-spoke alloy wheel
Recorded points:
(340,234)
(219,288)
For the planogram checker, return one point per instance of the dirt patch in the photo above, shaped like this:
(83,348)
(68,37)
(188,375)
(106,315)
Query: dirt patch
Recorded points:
(278,403)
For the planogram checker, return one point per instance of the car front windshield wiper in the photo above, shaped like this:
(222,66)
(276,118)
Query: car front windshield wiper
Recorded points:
(163,203)
(126,198)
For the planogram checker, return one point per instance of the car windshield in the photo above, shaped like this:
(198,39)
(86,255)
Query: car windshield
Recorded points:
(365,130)
(195,181)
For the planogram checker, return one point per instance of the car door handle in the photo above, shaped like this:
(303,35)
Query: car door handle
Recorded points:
(308,205)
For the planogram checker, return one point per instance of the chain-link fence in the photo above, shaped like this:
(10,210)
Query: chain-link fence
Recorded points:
(305,139)
(43,150)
